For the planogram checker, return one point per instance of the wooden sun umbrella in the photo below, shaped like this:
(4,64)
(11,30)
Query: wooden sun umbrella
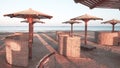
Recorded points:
(86,18)
(29,14)
(71,22)
(113,22)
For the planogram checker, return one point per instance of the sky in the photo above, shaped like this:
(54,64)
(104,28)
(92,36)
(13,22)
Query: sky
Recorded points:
(61,10)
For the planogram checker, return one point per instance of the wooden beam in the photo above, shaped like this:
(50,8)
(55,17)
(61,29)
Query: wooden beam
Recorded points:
(76,1)
(97,4)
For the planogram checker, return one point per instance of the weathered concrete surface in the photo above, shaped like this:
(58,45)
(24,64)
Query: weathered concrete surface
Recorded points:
(61,43)
(108,38)
(16,50)
(71,47)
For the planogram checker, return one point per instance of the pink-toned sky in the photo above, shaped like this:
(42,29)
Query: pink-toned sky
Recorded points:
(61,10)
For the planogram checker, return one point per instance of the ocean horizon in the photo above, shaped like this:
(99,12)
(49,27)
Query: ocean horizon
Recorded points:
(56,28)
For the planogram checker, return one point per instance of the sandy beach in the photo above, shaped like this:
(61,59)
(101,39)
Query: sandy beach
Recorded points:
(46,43)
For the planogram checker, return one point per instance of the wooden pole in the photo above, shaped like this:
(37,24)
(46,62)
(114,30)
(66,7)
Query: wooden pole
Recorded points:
(72,29)
(86,31)
(113,27)
(30,41)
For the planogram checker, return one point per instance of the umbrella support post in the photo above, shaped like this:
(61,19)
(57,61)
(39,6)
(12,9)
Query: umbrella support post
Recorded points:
(30,50)
(30,42)
(86,31)
(30,37)
(113,26)
(71,30)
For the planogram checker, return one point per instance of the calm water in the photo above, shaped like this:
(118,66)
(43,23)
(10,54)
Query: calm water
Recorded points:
(54,28)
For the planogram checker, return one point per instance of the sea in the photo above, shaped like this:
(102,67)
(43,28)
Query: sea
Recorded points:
(56,28)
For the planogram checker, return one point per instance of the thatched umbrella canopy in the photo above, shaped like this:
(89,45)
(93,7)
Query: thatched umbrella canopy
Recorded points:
(29,14)
(71,22)
(34,21)
(86,18)
(113,22)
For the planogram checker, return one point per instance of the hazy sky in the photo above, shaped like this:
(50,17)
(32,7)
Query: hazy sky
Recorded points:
(61,10)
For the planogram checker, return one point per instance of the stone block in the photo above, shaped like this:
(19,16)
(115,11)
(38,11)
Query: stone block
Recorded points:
(16,50)
(72,46)
(108,38)
(61,42)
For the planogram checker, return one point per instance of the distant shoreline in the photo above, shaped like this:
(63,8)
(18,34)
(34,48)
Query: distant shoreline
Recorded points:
(56,28)
(57,25)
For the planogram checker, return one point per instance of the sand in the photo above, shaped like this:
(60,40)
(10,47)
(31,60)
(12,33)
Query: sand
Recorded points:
(46,42)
